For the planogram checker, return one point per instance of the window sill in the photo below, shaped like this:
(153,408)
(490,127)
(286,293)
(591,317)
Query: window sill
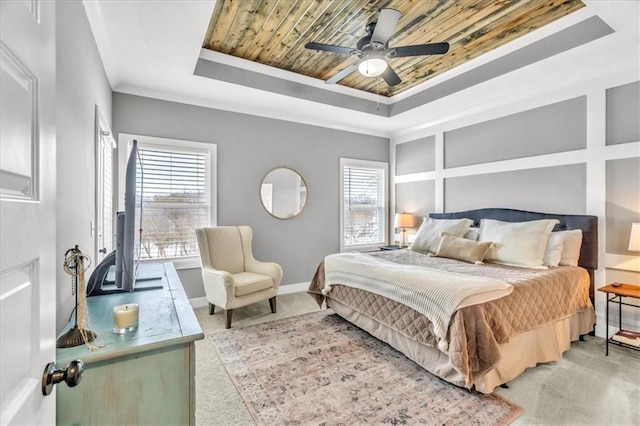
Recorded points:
(187,262)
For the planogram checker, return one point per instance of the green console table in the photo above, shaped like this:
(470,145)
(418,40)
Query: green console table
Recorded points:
(146,376)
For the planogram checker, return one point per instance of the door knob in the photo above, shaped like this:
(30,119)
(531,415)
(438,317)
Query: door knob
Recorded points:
(72,375)
(103,250)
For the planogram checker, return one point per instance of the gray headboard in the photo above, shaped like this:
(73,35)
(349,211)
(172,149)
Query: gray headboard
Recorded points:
(588,225)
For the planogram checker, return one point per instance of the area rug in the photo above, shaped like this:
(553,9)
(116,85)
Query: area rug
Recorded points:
(318,369)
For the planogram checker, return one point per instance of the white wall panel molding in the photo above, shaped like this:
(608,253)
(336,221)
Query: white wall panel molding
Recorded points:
(622,262)
(596,185)
(625,150)
(548,160)
(415,177)
(439,172)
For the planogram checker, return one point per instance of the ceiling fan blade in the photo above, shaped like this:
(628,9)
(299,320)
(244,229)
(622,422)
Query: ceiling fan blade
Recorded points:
(390,76)
(419,49)
(385,26)
(342,74)
(329,48)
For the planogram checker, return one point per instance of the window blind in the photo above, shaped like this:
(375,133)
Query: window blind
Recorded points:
(175,200)
(364,205)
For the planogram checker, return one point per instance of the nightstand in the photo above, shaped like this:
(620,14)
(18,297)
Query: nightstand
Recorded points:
(387,248)
(624,338)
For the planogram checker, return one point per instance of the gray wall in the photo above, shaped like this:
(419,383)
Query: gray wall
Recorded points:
(623,114)
(558,189)
(248,148)
(552,128)
(623,202)
(81,85)
(416,156)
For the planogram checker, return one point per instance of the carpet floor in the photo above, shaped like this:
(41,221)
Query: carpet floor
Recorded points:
(583,388)
(319,369)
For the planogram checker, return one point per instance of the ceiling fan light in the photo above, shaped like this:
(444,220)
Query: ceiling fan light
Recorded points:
(372,67)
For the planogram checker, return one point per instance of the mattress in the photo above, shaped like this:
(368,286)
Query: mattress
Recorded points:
(478,335)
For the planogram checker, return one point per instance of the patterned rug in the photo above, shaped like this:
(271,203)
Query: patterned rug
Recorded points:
(318,369)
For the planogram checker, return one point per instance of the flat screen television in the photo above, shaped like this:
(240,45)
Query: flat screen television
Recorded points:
(118,271)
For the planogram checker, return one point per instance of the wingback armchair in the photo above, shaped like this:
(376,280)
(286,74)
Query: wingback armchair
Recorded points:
(232,276)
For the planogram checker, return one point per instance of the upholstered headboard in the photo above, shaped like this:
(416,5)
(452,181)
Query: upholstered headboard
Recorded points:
(588,225)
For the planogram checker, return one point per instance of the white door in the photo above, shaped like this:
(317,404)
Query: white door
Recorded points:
(27,209)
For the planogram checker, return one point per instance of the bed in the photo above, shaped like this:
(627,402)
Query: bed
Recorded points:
(480,344)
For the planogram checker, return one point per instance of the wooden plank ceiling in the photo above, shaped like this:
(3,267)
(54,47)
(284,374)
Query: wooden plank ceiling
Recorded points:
(274,32)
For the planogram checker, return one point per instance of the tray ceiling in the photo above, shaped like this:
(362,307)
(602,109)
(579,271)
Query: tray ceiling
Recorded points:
(274,32)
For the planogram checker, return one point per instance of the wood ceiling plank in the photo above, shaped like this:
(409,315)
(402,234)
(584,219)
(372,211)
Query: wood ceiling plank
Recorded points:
(296,26)
(272,48)
(269,29)
(256,28)
(295,52)
(213,23)
(227,15)
(238,34)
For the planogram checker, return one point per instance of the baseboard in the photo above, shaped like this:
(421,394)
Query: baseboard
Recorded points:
(293,288)
(198,302)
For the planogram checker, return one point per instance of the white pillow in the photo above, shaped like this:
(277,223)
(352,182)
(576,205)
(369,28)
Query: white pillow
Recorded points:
(472,234)
(427,238)
(570,247)
(517,243)
(553,252)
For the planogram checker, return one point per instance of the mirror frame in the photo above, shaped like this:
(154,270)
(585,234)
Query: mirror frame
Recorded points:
(306,197)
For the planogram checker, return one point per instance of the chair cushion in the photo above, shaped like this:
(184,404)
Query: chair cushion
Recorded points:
(248,283)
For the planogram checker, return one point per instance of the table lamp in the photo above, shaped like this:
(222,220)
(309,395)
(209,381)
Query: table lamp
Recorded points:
(634,237)
(404,221)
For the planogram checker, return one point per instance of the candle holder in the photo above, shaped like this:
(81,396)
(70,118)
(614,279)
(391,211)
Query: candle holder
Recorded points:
(125,318)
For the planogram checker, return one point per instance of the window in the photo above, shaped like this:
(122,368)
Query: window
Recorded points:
(178,196)
(363,190)
(104,190)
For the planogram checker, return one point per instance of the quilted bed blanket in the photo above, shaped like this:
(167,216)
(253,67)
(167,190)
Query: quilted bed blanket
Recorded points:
(475,332)
(434,293)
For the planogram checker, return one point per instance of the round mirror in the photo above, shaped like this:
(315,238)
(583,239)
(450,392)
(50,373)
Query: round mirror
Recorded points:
(283,193)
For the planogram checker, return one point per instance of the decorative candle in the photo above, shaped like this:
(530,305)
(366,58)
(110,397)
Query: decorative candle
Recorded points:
(125,318)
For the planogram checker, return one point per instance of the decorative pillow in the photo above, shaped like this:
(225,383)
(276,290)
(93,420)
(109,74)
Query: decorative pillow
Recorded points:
(553,252)
(570,247)
(517,243)
(462,249)
(472,234)
(427,238)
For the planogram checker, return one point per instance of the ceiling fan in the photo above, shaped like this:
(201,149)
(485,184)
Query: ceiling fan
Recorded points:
(372,49)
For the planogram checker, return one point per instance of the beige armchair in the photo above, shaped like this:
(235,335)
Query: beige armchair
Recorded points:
(232,277)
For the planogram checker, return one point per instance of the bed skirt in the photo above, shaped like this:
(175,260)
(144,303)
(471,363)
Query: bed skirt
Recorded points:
(541,344)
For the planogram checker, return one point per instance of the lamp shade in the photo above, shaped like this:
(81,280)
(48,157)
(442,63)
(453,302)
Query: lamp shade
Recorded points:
(634,238)
(404,220)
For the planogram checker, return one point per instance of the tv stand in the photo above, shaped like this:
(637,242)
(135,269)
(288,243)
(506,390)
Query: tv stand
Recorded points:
(146,376)
(148,277)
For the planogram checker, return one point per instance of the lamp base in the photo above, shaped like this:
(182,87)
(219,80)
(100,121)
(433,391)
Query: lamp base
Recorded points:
(73,337)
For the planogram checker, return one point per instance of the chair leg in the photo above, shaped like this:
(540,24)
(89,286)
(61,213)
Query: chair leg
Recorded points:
(228,312)
(272,303)
(212,308)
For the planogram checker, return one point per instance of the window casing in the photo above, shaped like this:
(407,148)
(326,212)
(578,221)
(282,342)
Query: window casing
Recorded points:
(363,204)
(178,196)
(104,214)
